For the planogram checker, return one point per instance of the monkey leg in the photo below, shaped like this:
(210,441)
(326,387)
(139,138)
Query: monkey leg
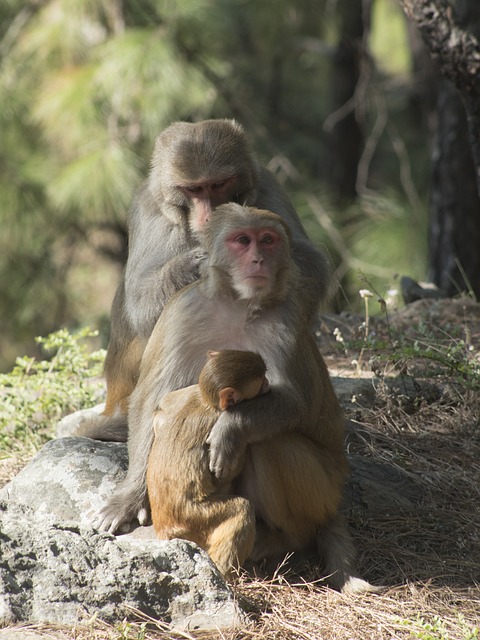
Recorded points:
(124,354)
(336,548)
(106,428)
(224,526)
(231,540)
(122,366)
(112,424)
(295,488)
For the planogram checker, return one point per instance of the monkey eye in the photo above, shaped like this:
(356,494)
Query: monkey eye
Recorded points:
(243,240)
(219,185)
(268,239)
(193,189)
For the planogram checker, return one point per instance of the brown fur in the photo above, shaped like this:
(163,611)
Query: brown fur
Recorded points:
(186,499)
(293,437)
(164,253)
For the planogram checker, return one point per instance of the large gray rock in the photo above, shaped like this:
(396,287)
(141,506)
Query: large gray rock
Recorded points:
(62,573)
(69,479)
(55,568)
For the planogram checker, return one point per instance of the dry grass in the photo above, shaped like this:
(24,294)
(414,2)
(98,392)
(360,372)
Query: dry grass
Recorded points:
(428,558)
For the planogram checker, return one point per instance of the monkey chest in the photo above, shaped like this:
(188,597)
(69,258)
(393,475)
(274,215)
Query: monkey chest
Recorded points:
(234,329)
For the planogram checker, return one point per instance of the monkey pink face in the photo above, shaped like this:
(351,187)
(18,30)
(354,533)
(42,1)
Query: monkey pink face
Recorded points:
(205,195)
(254,252)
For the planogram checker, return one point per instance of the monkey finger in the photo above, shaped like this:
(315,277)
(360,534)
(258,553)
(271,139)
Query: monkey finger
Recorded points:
(102,521)
(200,255)
(143,517)
(218,471)
(216,461)
(223,465)
(225,452)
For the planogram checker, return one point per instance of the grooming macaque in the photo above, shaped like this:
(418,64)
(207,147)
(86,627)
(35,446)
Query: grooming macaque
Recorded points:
(195,167)
(186,499)
(250,298)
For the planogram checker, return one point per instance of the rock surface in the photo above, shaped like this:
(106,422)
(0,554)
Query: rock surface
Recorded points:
(69,479)
(55,568)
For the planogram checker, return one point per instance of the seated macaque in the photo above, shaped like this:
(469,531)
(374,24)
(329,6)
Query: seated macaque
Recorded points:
(289,443)
(186,499)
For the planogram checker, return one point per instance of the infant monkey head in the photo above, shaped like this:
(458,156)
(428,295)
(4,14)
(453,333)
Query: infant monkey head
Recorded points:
(231,376)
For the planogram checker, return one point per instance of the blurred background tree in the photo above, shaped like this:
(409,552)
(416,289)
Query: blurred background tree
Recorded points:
(451,31)
(339,96)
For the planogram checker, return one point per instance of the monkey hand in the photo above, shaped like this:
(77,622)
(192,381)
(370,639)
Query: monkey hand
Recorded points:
(195,257)
(227,449)
(151,289)
(177,273)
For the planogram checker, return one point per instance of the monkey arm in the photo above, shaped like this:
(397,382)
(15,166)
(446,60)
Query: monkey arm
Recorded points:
(279,411)
(148,292)
(163,258)
(129,501)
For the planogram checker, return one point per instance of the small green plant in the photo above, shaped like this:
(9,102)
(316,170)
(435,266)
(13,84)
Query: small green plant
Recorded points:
(37,393)
(129,631)
(425,346)
(436,629)
(447,357)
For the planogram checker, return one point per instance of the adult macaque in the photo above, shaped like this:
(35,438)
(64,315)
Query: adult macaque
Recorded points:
(250,298)
(195,167)
(186,499)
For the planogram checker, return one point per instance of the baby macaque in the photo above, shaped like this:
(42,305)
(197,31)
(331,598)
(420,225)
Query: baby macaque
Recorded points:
(186,499)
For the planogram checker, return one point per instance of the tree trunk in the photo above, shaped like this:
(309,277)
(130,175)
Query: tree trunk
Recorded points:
(458,52)
(346,137)
(454,229)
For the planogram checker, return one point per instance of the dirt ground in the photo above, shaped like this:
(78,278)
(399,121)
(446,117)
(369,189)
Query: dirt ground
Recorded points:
(428,558)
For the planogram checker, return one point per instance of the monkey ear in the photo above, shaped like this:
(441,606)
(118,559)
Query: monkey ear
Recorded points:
(212,354)
(227,398)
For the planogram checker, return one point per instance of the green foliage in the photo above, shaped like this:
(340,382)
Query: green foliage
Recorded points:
(388,236)
(130,631)
(436,629)
(86,86)
(111,172)
(424,349)
(389,37)
(36,394)
(454,358)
